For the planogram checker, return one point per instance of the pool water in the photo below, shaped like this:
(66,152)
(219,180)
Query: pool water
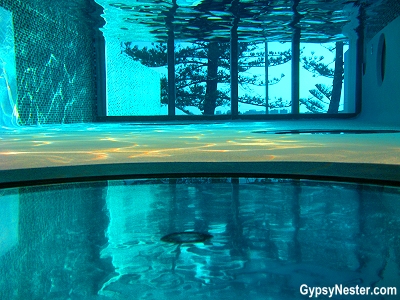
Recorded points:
(264,239)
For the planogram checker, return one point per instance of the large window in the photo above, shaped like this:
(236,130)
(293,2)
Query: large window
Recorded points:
(219,64)
(202,79)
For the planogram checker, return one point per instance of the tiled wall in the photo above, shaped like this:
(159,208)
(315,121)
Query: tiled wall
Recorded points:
(55,60)
(60,235)
(8,76)
(379,14)
(128,95)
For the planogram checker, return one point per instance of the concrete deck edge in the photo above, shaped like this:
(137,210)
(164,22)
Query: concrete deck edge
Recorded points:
(352,172)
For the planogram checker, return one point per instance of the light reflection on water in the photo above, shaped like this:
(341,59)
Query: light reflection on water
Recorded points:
(102,240)
(320,21)
(269,238)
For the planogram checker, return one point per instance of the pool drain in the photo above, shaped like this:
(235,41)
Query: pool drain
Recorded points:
(186,237)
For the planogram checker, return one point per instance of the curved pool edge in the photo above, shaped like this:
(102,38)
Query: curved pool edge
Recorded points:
(350,172)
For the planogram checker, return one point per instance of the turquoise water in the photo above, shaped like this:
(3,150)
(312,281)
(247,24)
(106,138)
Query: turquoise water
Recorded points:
(145,20)
(8,75)
(102,240)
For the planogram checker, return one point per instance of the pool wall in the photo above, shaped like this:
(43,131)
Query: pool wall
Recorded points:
(381,81)
(44,264)
(8,76)
(55,60)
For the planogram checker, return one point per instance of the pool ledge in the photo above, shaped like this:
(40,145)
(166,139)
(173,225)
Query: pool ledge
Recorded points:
(353,172)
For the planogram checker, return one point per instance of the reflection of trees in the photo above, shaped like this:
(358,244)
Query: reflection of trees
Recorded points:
(295,253)
(202,66)
(234,228)
(325,95)
(269,236)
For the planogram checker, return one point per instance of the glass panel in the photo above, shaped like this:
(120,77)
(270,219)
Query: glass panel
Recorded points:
(202,78)
(279,77)
(253,76)
(320,71)
(135,73)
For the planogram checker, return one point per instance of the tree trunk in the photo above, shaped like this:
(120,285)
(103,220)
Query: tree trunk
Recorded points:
(212,79)
(337,80)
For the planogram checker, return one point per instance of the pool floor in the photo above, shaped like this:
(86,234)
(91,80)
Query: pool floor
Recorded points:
(45,147)
(265,238)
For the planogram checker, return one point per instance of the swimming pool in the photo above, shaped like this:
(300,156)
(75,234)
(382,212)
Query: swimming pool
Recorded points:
(259,158)
(102,240)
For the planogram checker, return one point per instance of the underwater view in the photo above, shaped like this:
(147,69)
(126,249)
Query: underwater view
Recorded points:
(184,58)
(209,36)
(199,149)
(198,238)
